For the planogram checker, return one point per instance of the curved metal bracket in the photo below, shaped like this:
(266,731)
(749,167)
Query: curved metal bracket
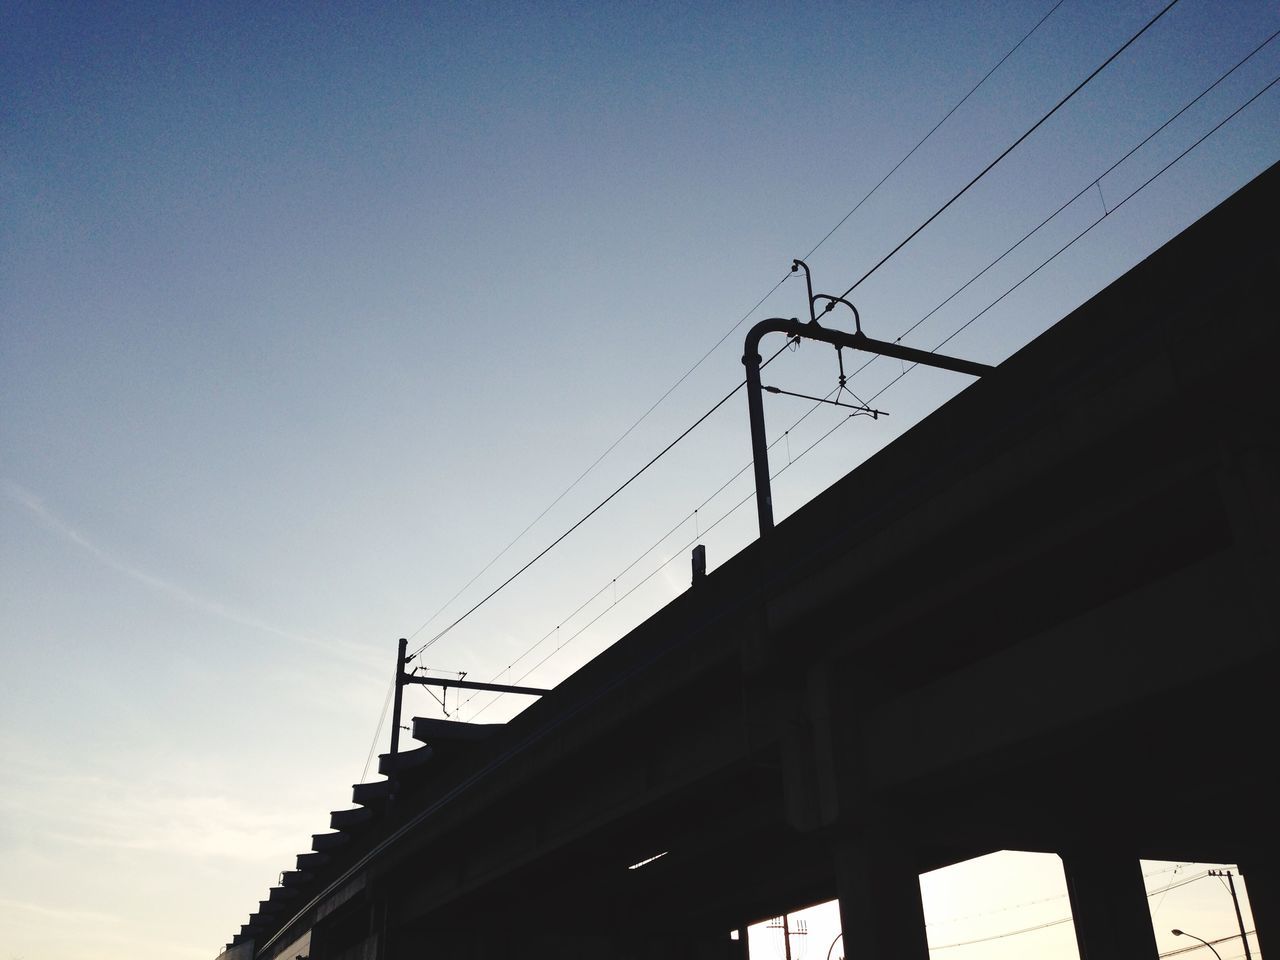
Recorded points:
(796,266)
(808,282)
(832,301)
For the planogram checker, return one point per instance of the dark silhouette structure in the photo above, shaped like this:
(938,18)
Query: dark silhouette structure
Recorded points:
(1014,628)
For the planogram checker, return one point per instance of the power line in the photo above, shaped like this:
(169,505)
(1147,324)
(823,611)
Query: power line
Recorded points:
(954,333)
(1001,936)
(377,731)
(1059,896)
(1089,186)
(675,555)
(1201,946)
(741,320)
(595,463)
(1009,149)
(957,196)
(1083,232)
(903,374)
(1055,923)
(933,129)
(692,515)
(590,513)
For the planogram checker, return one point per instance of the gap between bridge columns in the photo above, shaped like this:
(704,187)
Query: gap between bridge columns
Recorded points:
(1109,905)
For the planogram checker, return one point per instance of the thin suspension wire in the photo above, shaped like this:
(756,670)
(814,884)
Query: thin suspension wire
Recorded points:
(1009,149)
(675,555)
(946,921)
(844,420)
(934,128)
(373,746)
(595,463)
(1095,182)
(1082,233)
(975,317)
(1047,924)
(963,287)
(741,320)
(592,512)
(657,543)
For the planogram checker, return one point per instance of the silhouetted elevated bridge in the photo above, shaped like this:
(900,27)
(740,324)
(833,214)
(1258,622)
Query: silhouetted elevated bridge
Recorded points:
(1012,628)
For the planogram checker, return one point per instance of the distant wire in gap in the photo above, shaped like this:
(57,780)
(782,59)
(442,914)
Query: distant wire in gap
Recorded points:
(934,128)
(1001,936)
(592,512)
(741,320)
(1155,909)
(1009,149)
(1096,181)
(1061,896)
(377,730)
(1046,925)
(1082,233)
(1201,946)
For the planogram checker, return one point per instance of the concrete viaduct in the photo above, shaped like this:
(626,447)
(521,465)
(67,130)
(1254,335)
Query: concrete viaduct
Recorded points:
(1012,628)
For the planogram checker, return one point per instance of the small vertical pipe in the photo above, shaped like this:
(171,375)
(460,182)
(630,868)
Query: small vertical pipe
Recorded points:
(395,710)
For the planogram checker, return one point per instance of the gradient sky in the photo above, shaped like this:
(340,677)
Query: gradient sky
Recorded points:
(307,311)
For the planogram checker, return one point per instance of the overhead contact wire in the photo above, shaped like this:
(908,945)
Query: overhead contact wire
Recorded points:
(625,570)
(1009,149)
(594,510)
(1089,186)
(741,320)
(920,143)
(1083,232)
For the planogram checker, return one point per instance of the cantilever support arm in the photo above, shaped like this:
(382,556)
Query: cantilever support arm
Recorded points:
(447,682)
(814,331)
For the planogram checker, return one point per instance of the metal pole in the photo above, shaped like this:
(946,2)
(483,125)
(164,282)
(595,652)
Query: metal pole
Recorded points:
(759,446)
(395,712)
(815,331)
(1231,884)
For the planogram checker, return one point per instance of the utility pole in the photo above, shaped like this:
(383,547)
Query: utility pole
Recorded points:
(1235,900)
(395,711)
(839,339)
(783,923)
(403,679)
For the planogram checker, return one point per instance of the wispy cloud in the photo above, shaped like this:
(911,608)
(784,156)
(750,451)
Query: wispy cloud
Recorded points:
(147,815)
(37,508)
(61,914)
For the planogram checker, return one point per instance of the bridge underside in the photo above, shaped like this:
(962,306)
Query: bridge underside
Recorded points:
(1045,619)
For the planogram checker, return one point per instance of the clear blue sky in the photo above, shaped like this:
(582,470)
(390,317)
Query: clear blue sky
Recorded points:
(306,311)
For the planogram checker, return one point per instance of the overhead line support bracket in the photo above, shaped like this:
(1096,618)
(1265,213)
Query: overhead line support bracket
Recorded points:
(813,330)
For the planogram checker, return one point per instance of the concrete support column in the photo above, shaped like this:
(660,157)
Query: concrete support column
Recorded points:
(881,913)
(1109,906)
(1262,886)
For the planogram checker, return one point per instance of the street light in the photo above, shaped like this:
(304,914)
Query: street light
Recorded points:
(1183,933)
